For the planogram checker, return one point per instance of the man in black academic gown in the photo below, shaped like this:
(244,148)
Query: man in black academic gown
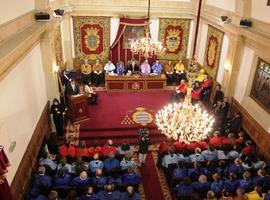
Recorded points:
(72,88)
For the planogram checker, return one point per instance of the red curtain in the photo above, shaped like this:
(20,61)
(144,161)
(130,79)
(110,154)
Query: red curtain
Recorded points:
(117,51)
(4,164)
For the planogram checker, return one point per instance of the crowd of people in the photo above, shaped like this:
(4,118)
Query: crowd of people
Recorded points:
(223,166)
(90,173)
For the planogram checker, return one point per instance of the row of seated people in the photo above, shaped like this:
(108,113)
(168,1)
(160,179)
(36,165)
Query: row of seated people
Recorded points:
(200,91)
(60,173)
(232,159)
(95,73)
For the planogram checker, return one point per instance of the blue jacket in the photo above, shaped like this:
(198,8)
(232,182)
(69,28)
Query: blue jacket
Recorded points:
(231,185)
(179,172)
(94,165)
(42,180)
(110,164)
(103,195)
(78,182)
(184,190)
(61,181)
(135,196)
(217,186)
(131,179)
(99,182)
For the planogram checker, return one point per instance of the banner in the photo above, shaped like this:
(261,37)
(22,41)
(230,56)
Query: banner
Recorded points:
(92,37)
(212,51)
(174,35)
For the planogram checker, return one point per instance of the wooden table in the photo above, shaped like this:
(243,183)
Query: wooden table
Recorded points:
(135,83)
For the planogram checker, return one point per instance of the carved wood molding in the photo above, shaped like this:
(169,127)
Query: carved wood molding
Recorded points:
(258,134)
(22,179)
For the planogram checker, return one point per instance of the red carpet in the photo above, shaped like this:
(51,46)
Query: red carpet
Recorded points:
(106,118)
(150,180)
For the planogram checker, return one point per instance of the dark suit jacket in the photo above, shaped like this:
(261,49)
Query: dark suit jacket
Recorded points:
(70,91)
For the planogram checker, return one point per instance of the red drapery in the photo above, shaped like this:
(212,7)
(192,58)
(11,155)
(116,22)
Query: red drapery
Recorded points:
(4,164)
(117,52)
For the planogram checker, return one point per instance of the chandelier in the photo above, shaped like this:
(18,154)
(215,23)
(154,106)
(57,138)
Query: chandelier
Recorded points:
(146,46)
(183,121)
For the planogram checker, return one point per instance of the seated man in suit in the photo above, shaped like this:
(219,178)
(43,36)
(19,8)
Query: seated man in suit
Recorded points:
(109,67)
(72,88)
(157,67)
(97,73)
(133,66)
(145,68)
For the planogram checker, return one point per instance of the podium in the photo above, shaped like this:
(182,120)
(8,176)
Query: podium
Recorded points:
(78,108)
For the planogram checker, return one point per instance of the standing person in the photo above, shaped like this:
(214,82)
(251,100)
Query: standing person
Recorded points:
(57,113)
(144,141)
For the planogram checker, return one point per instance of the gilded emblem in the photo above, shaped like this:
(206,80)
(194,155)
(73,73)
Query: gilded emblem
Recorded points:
(92,38)
(141,116)
(173,39)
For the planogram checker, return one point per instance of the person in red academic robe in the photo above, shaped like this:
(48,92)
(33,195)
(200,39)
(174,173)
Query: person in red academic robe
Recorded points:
(216,140)
(180,91)
(196,91)
(81,150)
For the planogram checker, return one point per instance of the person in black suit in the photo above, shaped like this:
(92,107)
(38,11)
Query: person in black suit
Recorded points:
(58,114)
(133,67)
(72,88)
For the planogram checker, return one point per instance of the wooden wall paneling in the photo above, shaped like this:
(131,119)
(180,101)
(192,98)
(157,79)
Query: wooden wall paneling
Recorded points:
(258,134)
(22,180)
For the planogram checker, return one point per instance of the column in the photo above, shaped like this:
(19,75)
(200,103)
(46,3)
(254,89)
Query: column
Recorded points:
(66,41)
(47,44)
(233,62)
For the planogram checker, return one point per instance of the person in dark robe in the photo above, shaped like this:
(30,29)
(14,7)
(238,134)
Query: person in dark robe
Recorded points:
(235,123)
(232,183)
(72,88)
(219,95)
(41,178)
(133,67)
(81,180)
(57,113)
(61,179)
(131,177)
(144,142)
(89,194)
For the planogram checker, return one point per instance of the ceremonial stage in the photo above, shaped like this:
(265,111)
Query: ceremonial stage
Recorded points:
(119,115)
(135,83)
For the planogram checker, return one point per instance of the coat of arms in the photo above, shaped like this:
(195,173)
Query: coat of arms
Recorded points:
(92,39)
(173,39)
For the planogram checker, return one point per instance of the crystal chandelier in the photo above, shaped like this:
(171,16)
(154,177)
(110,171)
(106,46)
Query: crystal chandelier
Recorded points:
(183,121)
(146,46)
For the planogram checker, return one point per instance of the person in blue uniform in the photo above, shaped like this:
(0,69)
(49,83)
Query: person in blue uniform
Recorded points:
(99,181)
(246,182)
(61,179)
(95,164)
(236,167)
(64,165)
(184,189)
(210,154)
(109,193)
(82,180)
(120,68)
(170,158)
(157,67)
(41,178)
(111,163)
(232,183)
(197,156)
(131,177)
(201,186)
(130,194)
(180,172)
(89,194)
(127,162)
(217,184)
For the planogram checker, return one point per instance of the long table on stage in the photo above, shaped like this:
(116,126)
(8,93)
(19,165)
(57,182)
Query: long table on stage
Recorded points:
(135,83)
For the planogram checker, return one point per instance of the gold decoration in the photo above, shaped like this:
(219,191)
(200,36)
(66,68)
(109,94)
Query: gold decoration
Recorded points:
(142,117)
(185,25)
(173,39)
(92,39)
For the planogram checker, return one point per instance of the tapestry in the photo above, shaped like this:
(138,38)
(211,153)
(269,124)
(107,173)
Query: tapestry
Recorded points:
(58,48)
(260,91)
(139,115)
(174,35)
(132,33)
(92,37)
(212,51)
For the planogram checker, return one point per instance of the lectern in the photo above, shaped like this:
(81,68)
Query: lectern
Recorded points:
(78,108)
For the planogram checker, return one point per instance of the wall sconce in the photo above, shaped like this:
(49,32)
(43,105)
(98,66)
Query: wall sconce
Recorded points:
(227,67)
(56,69)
